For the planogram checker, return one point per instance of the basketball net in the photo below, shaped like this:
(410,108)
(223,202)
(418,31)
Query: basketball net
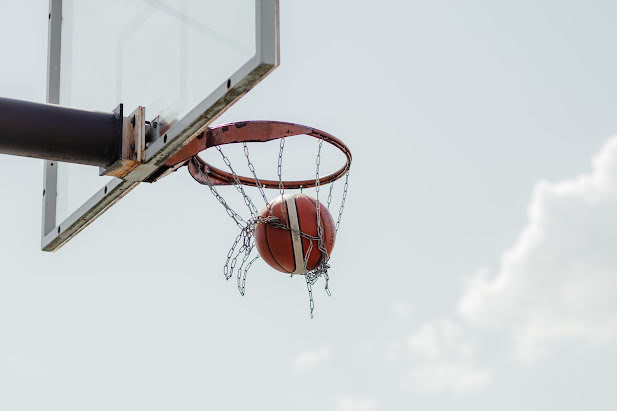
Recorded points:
(243,247)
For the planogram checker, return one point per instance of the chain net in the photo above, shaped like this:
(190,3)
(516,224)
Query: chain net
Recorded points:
(241,255)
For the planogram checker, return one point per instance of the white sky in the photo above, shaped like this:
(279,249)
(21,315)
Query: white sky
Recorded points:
(475,266)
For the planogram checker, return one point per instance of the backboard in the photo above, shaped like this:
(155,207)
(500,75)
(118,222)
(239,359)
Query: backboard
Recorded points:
(185,61)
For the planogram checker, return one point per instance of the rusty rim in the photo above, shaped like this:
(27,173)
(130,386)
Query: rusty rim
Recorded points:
(251,131)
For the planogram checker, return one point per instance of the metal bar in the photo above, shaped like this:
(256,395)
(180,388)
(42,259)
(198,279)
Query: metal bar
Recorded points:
(50,169)
(58,133)
(50,196)
(53,51)
(268,37)
(107,196)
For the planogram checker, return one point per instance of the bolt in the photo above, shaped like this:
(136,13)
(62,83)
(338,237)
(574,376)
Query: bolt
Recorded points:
(132,146)
(155,124)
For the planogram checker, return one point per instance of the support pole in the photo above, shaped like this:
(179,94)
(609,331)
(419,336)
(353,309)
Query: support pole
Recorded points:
(59,133)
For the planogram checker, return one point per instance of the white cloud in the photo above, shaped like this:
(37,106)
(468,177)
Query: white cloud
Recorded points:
(356,404)
(402,310)
(443,359)
(559,280)
(450,377)
(436,339)
(310,359)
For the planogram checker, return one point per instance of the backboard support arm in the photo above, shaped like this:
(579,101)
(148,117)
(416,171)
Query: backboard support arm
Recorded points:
(56,133)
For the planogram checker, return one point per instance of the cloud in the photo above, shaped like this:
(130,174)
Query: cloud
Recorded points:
(443,359)
(356,404)
(436,339)
(450,377)
(556,283)
(559,279)
(311,359)
(402,310)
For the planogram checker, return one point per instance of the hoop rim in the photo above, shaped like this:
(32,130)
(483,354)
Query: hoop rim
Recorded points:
(251,131)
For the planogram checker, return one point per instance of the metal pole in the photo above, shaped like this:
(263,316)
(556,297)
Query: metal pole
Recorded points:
(59,133)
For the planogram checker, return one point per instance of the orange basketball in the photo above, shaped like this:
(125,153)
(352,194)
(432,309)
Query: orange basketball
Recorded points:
(285,250)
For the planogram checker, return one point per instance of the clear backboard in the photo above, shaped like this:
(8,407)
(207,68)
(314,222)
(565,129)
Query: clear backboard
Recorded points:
(185,61)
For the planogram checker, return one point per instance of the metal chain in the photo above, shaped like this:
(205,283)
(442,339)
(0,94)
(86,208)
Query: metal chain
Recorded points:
(330,195)
(247,231)
(280,175)
(321,244)
(228,269)
(247,235)
(235,216)
(242,279)
(309,287)
(340,211)
(238,184)
(244,244)
(327,278)
(252,168)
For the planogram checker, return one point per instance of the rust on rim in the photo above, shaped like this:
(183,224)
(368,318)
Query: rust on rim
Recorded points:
(250,131)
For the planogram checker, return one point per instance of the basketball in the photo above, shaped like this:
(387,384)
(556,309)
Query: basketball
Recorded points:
(285,250)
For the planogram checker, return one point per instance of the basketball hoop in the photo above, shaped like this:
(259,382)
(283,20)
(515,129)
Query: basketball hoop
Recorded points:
(244,244)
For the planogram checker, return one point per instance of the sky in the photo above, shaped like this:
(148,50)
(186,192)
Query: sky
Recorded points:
(474,269)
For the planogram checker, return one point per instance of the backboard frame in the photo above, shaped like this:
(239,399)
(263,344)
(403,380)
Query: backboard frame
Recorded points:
(55,234)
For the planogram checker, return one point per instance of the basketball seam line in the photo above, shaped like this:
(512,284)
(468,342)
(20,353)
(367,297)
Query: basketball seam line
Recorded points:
(270,250)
